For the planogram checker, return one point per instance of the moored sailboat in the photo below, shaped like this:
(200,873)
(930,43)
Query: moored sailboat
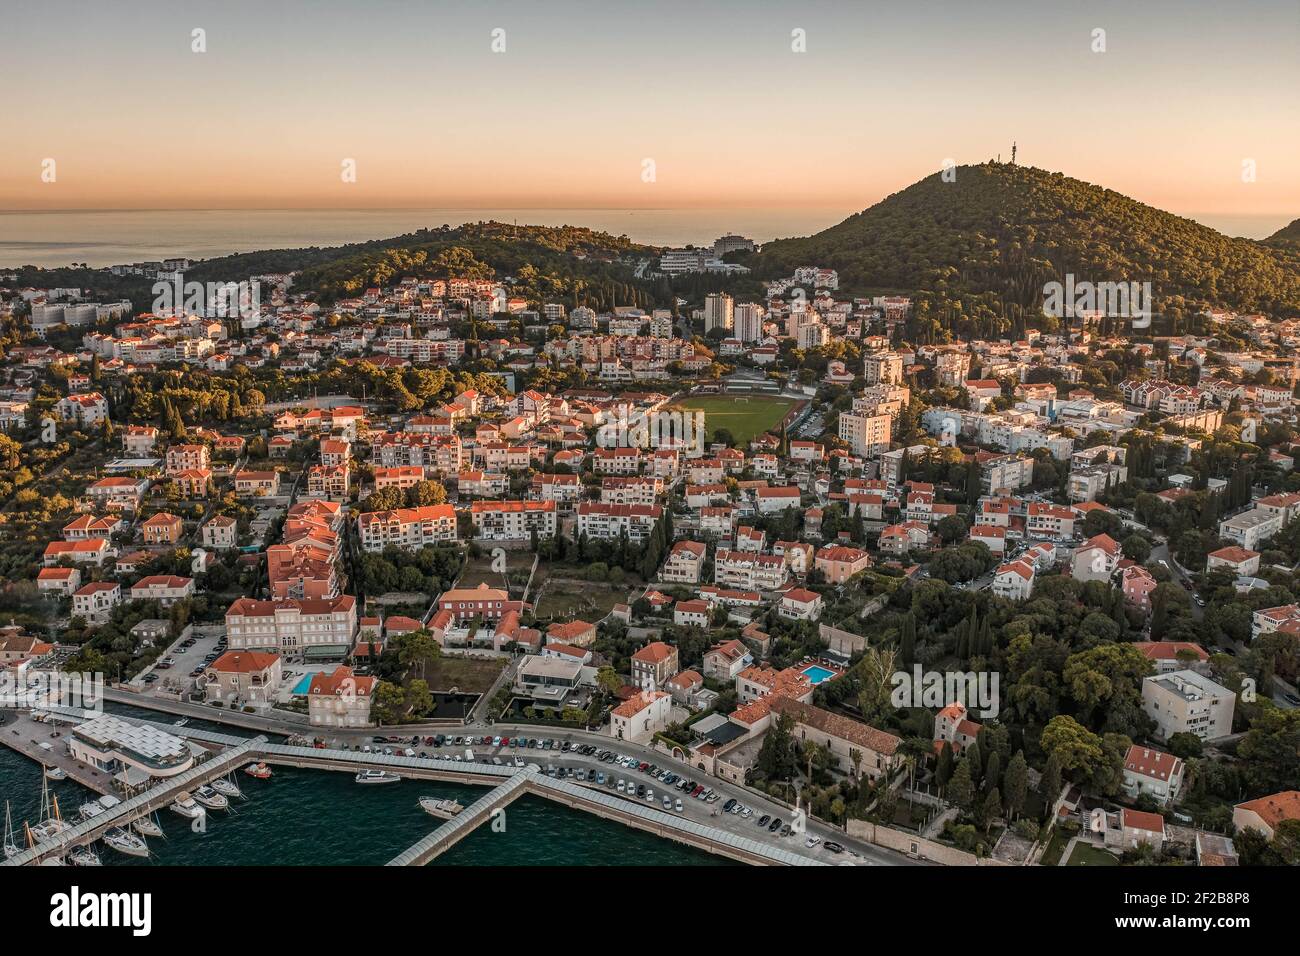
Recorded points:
(124,841)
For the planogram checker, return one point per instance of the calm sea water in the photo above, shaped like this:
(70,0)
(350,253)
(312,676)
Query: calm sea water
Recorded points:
(102,238)
(113,237)
(314,817)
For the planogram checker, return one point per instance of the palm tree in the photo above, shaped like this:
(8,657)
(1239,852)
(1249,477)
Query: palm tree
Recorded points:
(913,750)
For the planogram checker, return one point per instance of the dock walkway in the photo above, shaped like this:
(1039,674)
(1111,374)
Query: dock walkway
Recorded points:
(152,799)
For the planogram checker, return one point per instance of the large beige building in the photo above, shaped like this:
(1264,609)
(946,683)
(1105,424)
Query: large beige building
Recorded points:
(1185,702)
(867,435)
(857,748)
(297,629)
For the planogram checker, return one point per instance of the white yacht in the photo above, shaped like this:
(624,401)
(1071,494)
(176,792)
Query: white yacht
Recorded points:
(211,799)
(444,809)
(376,776)
(227,787)
(147,826)
(124,841)
(186,807)
(84,856)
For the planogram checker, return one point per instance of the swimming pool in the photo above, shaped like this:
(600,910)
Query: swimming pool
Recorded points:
(300,689)
(818,674)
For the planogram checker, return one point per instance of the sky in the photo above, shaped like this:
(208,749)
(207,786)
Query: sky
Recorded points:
(622,104)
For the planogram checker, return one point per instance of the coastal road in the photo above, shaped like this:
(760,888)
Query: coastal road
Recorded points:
(758,802)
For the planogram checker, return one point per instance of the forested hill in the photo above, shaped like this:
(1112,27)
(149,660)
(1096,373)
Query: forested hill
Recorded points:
(556,261)
(1002,231)
(1287,234)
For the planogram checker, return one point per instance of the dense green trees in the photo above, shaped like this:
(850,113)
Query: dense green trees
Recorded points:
(985,245)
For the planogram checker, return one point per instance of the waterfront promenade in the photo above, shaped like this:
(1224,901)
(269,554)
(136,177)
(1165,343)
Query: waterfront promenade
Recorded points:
(868,854)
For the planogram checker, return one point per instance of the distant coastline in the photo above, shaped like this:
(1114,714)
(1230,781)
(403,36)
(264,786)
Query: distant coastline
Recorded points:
(108,237)
(53,238)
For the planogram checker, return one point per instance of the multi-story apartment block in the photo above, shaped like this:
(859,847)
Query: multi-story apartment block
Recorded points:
(749,571)
(188,458)
(867,436)
(1252,528)
(406,527)
(513,520)
(605,521)
(1187,702)
(685,563)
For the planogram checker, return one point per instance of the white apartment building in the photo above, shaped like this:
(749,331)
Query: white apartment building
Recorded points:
(883,368)
(749,571)
(749,322)
(685,563)
(1186,702)
(867,436)
(406,527)
(719,312)
(1252,528)
(513,520)
(606,521)
(1014,581)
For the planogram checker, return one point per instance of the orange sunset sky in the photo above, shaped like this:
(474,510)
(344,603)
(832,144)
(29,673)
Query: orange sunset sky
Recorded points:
(586,91)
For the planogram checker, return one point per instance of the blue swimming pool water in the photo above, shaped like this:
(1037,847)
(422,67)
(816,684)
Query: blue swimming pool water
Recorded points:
(818,674)
(304,685)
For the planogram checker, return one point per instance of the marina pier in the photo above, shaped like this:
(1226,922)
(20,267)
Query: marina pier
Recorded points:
(507,783)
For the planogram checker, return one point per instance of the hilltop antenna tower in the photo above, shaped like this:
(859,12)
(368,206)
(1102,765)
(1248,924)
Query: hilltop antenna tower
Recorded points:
(1013,152)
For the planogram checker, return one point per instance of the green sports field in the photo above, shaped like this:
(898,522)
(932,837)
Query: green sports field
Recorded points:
(743,415)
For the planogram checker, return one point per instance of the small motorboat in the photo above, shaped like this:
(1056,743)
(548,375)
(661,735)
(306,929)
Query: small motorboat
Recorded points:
(209,798)
(147,826)
(180,723)
(376,776)
(227,787)
(56,773)
(186,807)
(124,841)
(443,809)
(84,856)
(258,771)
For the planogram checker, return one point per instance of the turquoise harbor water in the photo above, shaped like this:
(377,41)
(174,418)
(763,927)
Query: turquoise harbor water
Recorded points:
(317,817)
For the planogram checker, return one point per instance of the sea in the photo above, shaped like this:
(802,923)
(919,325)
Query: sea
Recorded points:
(105,238)
(323,818)
(111,237)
